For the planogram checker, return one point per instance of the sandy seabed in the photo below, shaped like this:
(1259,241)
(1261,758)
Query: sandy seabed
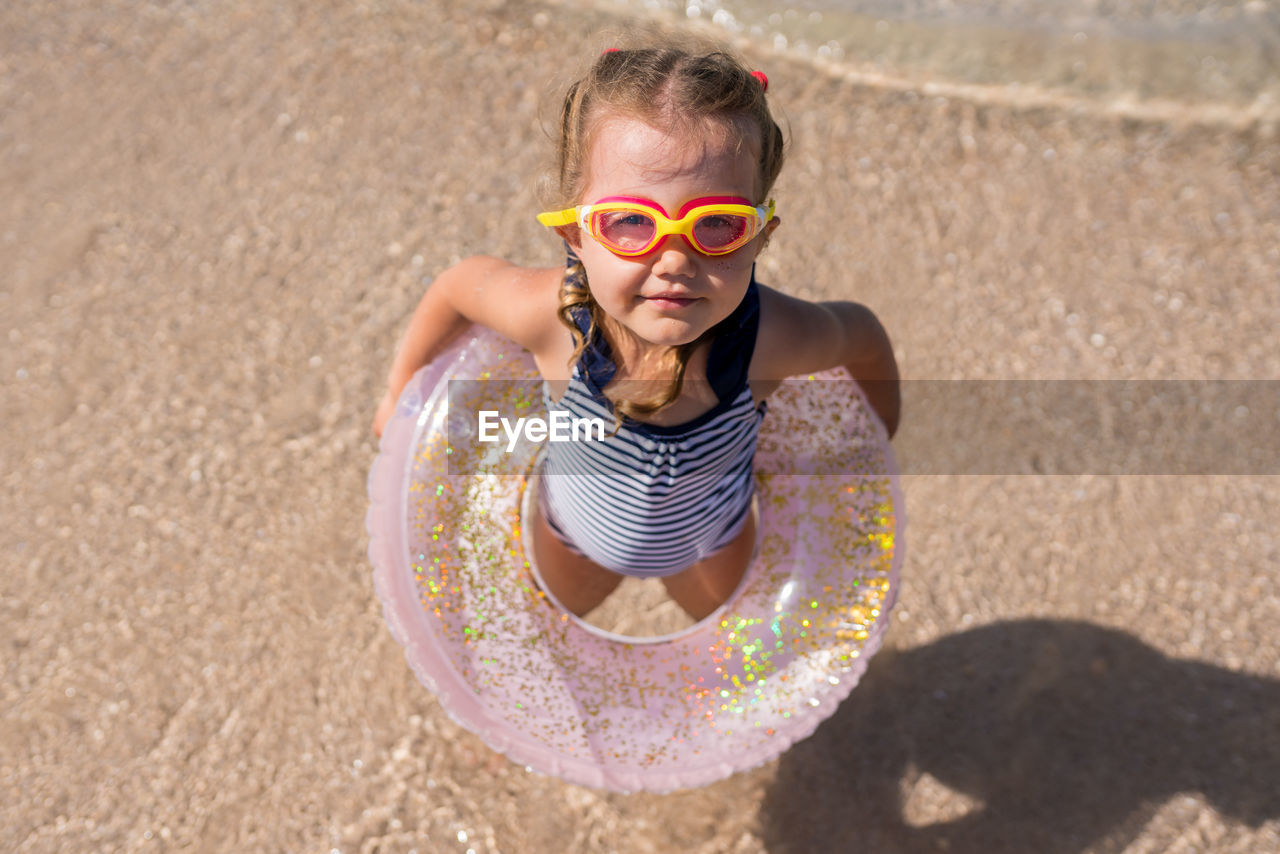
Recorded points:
(215,218)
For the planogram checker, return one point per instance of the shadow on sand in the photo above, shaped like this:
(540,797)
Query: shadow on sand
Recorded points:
(1058,736)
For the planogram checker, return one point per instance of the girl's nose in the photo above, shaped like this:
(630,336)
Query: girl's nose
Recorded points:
(676,257)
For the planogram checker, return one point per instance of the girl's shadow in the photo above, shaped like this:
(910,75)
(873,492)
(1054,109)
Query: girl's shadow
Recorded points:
(1036,735)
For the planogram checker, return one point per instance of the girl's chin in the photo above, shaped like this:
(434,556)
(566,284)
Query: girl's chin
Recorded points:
(669,332)
(658,331)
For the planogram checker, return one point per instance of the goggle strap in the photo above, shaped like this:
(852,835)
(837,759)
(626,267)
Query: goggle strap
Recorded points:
(551,219)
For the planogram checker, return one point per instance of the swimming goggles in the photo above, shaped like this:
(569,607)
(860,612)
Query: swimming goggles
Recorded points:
(627,226)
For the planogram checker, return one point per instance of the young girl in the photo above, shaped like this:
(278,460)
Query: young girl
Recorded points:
(666,161)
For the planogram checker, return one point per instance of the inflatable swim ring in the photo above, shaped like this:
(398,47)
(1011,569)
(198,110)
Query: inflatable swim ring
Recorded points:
(563,698)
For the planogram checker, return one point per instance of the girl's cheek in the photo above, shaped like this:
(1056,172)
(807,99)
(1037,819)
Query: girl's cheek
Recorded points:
(729,266)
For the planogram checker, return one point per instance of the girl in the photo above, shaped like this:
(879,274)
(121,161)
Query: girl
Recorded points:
(666,161)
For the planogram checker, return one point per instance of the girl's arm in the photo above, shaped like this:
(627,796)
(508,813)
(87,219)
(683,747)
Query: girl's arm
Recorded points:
(514,301)
(869,359)
(801,337)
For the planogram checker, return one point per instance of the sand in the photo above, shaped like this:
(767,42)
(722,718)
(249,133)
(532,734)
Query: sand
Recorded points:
(214,220)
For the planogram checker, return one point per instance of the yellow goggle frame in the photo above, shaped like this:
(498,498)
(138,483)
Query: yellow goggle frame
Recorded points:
(713,225)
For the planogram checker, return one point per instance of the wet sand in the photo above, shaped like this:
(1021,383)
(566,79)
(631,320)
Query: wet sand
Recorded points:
(214,220)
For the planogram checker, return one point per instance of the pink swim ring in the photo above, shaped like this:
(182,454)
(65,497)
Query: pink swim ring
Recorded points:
(565,699)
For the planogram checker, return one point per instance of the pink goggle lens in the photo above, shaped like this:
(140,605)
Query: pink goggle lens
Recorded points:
(635,231)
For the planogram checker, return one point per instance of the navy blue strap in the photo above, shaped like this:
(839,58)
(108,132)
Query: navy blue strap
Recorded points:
(734,344)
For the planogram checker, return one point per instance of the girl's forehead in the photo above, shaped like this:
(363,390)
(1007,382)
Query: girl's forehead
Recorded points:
(633,151)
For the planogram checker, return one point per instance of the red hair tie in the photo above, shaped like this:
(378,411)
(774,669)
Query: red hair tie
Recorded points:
(608,50)
(763,78)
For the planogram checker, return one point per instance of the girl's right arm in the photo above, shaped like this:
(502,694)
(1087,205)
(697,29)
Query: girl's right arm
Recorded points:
(517,302)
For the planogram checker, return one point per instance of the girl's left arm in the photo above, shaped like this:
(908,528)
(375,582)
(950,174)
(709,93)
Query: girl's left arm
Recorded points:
(868,356)
(800,337)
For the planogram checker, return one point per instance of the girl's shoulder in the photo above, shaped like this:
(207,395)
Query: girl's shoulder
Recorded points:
(796,336)
(517,302)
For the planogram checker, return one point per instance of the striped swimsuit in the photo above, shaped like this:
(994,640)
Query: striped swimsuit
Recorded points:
(651,500)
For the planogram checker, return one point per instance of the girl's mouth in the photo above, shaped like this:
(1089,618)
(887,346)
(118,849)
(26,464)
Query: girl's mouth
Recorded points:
(670,301)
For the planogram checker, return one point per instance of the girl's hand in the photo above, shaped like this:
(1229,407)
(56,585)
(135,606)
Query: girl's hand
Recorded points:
(385,410)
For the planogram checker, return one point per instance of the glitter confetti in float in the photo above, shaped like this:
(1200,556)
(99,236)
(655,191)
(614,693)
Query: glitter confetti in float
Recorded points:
(566,699)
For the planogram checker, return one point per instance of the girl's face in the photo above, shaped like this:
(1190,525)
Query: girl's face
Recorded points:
(673,294)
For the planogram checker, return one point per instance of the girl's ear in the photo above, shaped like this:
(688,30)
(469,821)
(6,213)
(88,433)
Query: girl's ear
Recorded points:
(570,234)
(768,232)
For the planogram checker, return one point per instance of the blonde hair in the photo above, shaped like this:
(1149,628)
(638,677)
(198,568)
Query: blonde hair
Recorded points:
(674,89)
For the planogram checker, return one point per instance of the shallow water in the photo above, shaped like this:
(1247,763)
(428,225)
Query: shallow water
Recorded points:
(202,298)
(1223,54)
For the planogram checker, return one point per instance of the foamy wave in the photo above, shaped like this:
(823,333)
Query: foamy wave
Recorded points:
(1161,60)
